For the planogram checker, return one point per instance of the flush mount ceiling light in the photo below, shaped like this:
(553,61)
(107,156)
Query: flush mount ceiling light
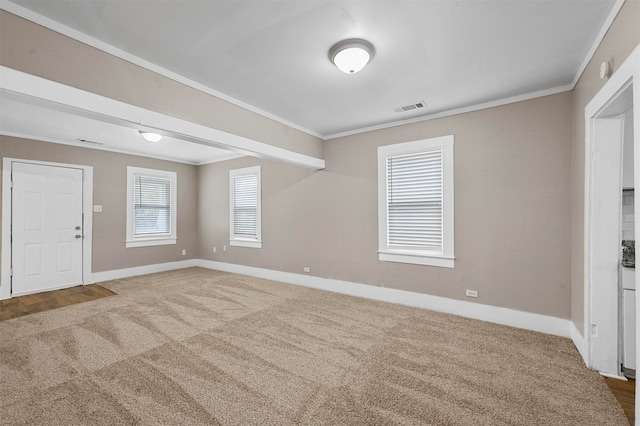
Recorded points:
(351,55)
(150,136)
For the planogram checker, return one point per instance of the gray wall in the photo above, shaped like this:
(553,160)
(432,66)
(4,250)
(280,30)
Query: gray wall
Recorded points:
(110,190)
(623,36)
(512,210)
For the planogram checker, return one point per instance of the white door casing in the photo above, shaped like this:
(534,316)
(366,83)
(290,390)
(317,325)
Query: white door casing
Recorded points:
(605,241)
(604,120)
(71,259)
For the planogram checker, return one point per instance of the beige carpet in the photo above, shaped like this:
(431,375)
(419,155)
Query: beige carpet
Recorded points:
(199,347)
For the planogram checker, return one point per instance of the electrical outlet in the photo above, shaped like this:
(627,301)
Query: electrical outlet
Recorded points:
(215,249)
(97,208)
(307,269)
(471,293)
(184,252)
(224,248)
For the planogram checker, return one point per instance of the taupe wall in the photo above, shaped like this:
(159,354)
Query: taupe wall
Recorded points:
(110,190)
(45,53)
(519,181)
(623,36)
(512,210)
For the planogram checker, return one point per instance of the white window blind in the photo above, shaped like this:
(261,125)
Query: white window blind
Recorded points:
(151,205)
(414,201)
(245,229)
(245,206)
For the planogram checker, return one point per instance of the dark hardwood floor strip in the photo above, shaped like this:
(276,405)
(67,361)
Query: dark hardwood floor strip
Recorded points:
(625,393)
(33,303)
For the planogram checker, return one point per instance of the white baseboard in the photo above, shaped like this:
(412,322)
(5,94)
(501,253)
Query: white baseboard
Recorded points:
(613,376)
(520,319)
(580,342)
(141,270)
(494,314)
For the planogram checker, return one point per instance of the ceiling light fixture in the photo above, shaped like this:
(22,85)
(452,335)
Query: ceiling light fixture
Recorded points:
(351,55)
(150,136)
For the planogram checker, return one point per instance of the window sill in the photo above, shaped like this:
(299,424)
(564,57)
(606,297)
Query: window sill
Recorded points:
(246,243)
(146,242)
(417,259)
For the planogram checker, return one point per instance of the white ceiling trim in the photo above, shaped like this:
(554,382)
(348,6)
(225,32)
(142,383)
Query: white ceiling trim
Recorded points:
(110,110)
(231,156)
(477,107)
(112,50)
(596,43)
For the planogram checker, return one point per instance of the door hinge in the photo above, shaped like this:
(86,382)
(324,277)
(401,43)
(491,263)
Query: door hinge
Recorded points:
(10,272)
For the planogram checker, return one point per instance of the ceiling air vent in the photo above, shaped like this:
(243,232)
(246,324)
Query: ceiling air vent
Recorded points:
(90,142)
(411,107)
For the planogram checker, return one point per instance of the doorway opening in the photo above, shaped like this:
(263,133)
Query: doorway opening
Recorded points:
(610,117)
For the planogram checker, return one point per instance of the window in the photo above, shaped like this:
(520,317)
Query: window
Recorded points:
(415,202)
(244,200)
(151,207)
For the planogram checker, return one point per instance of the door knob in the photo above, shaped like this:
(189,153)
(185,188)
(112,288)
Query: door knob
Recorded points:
(78,236)
(78,228)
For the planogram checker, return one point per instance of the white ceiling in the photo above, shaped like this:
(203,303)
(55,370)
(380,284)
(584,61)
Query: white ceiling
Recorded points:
(272,55)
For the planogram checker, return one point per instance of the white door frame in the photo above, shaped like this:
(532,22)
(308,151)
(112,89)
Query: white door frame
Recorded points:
(600,297)
(87,210)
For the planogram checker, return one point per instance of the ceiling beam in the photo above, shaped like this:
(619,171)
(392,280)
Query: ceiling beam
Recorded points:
(51,94)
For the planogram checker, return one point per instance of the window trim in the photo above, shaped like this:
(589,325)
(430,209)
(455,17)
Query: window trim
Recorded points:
(150,239)
(444,258)
(235,240)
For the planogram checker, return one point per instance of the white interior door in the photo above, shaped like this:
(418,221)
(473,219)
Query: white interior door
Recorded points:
(46,247)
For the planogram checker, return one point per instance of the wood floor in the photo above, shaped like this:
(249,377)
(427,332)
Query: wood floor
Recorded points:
(30,304)
(25,305)
(625,393)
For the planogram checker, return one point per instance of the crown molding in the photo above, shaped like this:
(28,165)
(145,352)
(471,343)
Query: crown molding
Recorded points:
(596,43)
(456,111)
